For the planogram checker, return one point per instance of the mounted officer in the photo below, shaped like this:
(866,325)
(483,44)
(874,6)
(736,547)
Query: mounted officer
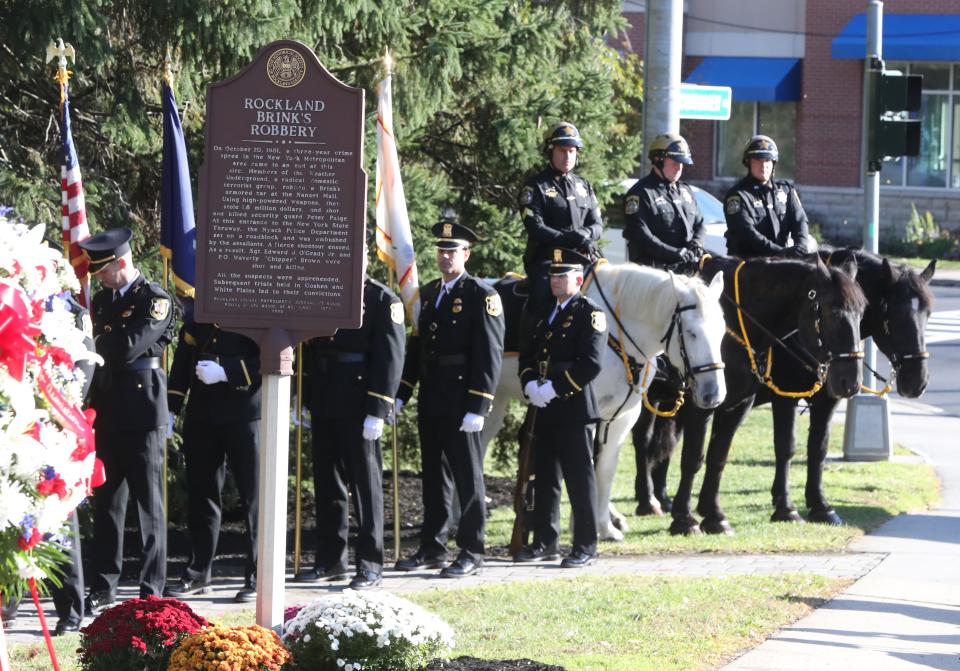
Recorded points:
(559,209)
(763,213)
(455,354)
(664,227)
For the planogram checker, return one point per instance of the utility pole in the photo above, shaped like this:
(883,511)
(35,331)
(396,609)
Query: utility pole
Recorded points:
(663,54)
(866,434)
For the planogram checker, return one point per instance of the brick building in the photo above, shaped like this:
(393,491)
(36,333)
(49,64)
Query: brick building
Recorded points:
(796,69)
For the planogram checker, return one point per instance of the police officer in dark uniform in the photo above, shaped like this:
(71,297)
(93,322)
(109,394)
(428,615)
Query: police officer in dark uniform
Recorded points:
(557,367)
(664,227)
(132,323)
(559,209)
(216,374)
(349,385)
(763,213)
(456,355)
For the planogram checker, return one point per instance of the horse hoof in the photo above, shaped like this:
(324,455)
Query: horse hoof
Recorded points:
(713,526)
(610,533)
(787,515)
(666,504)
(824,516)
(684,527)
(619,522)
(649,508)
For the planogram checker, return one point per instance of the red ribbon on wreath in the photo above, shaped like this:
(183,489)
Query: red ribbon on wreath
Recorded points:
(17,332)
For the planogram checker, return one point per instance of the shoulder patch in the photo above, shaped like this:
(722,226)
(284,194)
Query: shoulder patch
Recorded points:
(733,205)
(396,312)
(598,320)
(159,308)
(632,205)
(526,195)
(494,306)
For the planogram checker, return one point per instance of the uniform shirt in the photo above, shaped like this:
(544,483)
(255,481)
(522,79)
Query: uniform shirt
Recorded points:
(356,371)
(661,219)
(129,391)
(237,399)
(762,217)
(558,211)
(569,349)
(457,350)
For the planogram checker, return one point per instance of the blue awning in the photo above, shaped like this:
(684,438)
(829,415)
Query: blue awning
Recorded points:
(906,37)
(752,79)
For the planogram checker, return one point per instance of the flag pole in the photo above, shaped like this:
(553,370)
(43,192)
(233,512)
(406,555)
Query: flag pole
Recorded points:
(388,66)
(60,51)
(168,78)
(299,442)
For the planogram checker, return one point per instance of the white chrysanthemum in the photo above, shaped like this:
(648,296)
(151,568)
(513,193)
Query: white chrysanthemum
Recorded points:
(14,503)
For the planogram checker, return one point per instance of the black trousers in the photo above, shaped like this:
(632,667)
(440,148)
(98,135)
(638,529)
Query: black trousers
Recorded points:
(567,450)
(342,459)
(133,461)
(208,449)
(68,598)
(441,440)
(539,297)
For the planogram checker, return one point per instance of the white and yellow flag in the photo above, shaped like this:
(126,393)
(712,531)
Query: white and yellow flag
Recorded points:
(394,239)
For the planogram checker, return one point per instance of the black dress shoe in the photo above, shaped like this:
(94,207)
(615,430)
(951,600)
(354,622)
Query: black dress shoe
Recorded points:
(187,587)
(536,552)
(318,573)
(420,560)
(366,580)
(65,626)
(462,567)
(578,559)
(247,593)
(97,601)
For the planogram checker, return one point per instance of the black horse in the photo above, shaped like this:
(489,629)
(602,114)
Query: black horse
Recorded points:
(806,312)
(899,303)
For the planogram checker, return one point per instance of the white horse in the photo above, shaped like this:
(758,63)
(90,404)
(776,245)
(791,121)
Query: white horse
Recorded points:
(649,312)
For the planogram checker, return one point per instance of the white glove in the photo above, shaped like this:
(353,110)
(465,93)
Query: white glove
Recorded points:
(210,372)
(171,418)
(530,389)
(372,427)
(304,417)
(472,423)
(546,393)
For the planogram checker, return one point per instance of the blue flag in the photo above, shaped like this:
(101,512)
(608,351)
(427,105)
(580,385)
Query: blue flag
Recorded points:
(178,232)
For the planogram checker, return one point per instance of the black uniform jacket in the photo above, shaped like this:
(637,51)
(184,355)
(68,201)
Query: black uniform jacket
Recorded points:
(567,352)
(556,209)
(762,217)
(237,399)
(358,369)
(660,219)
(457,351)
(129,391)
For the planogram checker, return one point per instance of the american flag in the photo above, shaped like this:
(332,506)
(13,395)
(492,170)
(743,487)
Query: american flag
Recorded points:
(73,208)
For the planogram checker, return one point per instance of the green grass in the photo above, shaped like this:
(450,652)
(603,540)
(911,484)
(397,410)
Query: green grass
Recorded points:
(864,494)
(626,623)
(920,264)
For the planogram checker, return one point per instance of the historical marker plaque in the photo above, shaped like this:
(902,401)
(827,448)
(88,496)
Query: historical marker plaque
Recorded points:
(282,198)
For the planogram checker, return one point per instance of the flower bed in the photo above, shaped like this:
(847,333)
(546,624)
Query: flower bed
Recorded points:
(373,631)
(220,648)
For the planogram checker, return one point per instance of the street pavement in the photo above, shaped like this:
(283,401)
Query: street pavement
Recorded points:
(902,611)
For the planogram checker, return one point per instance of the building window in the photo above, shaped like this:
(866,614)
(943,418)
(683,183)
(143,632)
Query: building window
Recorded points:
(938,165)
(778,120)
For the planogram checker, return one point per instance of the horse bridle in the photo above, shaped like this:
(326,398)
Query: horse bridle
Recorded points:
(896,360)
(689,370)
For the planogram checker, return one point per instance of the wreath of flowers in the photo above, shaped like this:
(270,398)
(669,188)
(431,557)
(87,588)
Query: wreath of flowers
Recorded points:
(374,631)
(221,648)
(47,459)
(137,634)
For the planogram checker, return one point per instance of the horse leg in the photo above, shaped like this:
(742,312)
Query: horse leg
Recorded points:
(725,425)
(664,452)
(643,438)
(605,467)
(785,446)
(695,422)
(821,412)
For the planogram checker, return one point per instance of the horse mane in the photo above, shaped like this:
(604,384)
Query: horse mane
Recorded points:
(849,293)
(647,286)
(903,274)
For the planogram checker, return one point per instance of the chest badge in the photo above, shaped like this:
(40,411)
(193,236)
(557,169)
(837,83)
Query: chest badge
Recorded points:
(782,196)
(687,198)
(581,191)
(126,313)
(550,192)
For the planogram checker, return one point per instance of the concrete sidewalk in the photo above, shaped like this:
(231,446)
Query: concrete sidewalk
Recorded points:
(905,613)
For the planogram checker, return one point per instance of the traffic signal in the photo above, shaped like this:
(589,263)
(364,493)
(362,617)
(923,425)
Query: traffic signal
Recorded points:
(892,133)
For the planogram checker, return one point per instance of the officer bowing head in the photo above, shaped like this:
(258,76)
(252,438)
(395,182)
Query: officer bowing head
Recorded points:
(453,241)
(111,260)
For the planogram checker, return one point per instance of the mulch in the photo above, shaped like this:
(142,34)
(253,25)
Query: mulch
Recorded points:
(474,664)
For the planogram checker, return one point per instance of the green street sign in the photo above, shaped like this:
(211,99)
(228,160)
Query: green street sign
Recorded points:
(705,102)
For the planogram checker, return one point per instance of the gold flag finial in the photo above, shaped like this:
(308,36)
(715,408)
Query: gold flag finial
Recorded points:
(387,61)
(61,52)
